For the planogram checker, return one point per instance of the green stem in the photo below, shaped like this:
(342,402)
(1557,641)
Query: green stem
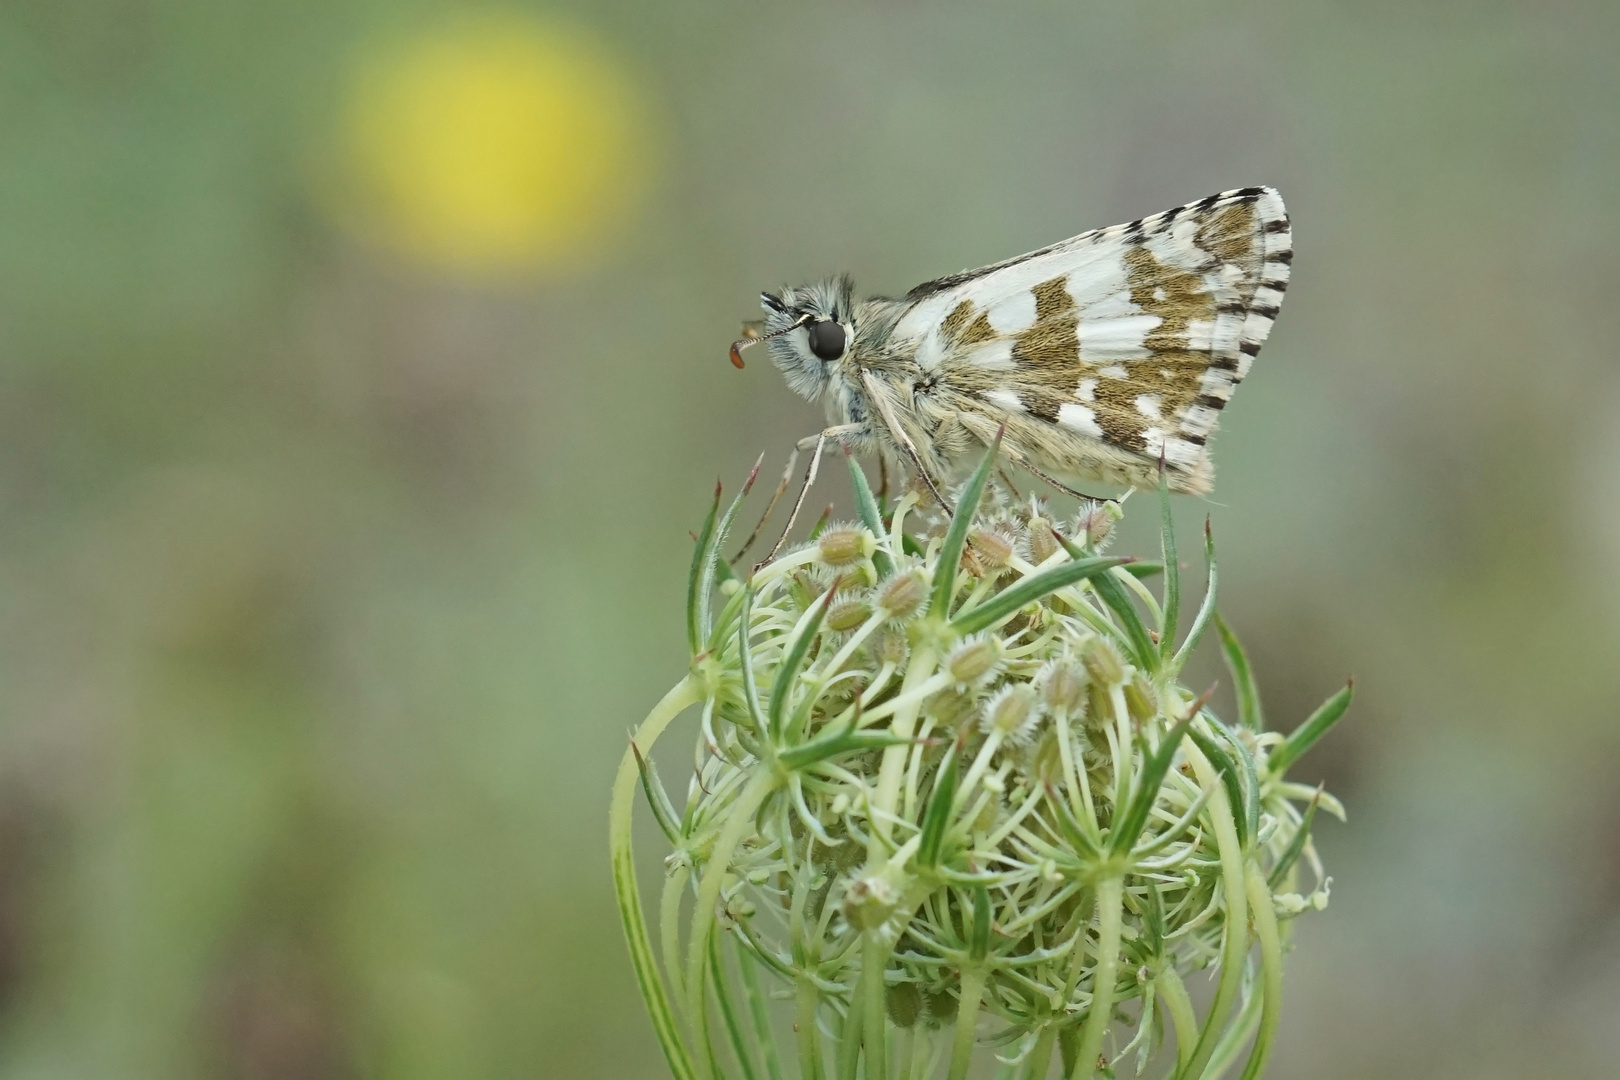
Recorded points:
(1236,916)
(728,1012)
(1265,927)
(1179,1005)
(892,770)
(738,820)
(1040,1055)
(967,1016)
(875,1029)
(1110,923)
(904,1051)
(684,694)
(669,929)
(925,1060)
(1236,1036)
(758,1011)
(849,1046)
(804,1027)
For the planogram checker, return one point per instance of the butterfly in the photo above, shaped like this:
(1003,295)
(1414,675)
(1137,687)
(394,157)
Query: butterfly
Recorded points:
(1108,356)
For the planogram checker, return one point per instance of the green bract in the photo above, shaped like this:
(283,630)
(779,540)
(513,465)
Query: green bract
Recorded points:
(973,811)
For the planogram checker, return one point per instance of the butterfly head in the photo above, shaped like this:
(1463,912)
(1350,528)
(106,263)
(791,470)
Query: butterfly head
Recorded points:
(808,330)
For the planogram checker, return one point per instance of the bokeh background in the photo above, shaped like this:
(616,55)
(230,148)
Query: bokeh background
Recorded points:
(362,373)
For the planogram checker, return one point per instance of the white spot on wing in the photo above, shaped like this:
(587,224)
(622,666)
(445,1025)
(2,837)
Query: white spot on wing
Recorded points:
(1149,405)
(1088,390)
(1114,305)
(1079,418)
(1005,398)
(1114,371)
(993,356)
(1013,314)
(1101,278)
(1116,339)
(923,317)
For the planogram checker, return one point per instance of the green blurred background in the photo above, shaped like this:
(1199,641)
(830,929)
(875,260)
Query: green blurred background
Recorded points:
(362,373)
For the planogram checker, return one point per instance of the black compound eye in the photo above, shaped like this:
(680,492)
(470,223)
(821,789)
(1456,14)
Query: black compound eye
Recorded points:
(826,340)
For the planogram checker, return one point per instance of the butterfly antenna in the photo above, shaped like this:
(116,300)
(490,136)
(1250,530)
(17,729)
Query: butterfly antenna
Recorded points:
(743,342)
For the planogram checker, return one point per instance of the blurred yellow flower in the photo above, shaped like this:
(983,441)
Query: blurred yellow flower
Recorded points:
(498,143)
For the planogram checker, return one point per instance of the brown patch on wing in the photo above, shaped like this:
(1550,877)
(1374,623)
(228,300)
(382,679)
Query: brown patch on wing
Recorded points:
(978,330)
(1176,296)
(1117,414)
(1175,373)
(951,328)
(1173,377)
(1048,353)
(1052,299)
(1050,348)
(1230,234)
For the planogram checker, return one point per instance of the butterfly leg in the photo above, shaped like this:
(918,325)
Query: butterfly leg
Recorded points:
(922,471)
(770,507)
(876,394)
(820,444)
(1062,487)
(782,485)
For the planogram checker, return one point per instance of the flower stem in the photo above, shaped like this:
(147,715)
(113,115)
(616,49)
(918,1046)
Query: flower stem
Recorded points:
(684,694)
(669,929)
(1179,1005)
(1040,1055)
(1265,927)
(849,1049)
(728,1012)
(1236,916)
(757,1012)
(739,819)
(874,1033)
(804,1025)
(967,1016)
(894,757)
(1110,917)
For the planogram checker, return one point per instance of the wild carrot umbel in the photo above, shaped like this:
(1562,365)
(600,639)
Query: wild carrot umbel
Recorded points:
(949,798)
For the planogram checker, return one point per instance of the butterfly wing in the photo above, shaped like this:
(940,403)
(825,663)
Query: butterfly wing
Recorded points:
(1127,341)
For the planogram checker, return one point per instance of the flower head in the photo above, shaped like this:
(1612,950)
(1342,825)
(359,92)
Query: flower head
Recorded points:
(962,795)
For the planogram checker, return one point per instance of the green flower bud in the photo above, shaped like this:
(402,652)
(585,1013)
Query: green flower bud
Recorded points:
(1095,522)
(952,709)
(869,901)
(847,615)
(1102,660)
(947,797)
(888,646)
(1140,701)
(1099,706)
(904,595)
(1042,544)
(904,1004)
(974,660)
(1011,712)
(846,546)
(1063,685)
(993,547)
